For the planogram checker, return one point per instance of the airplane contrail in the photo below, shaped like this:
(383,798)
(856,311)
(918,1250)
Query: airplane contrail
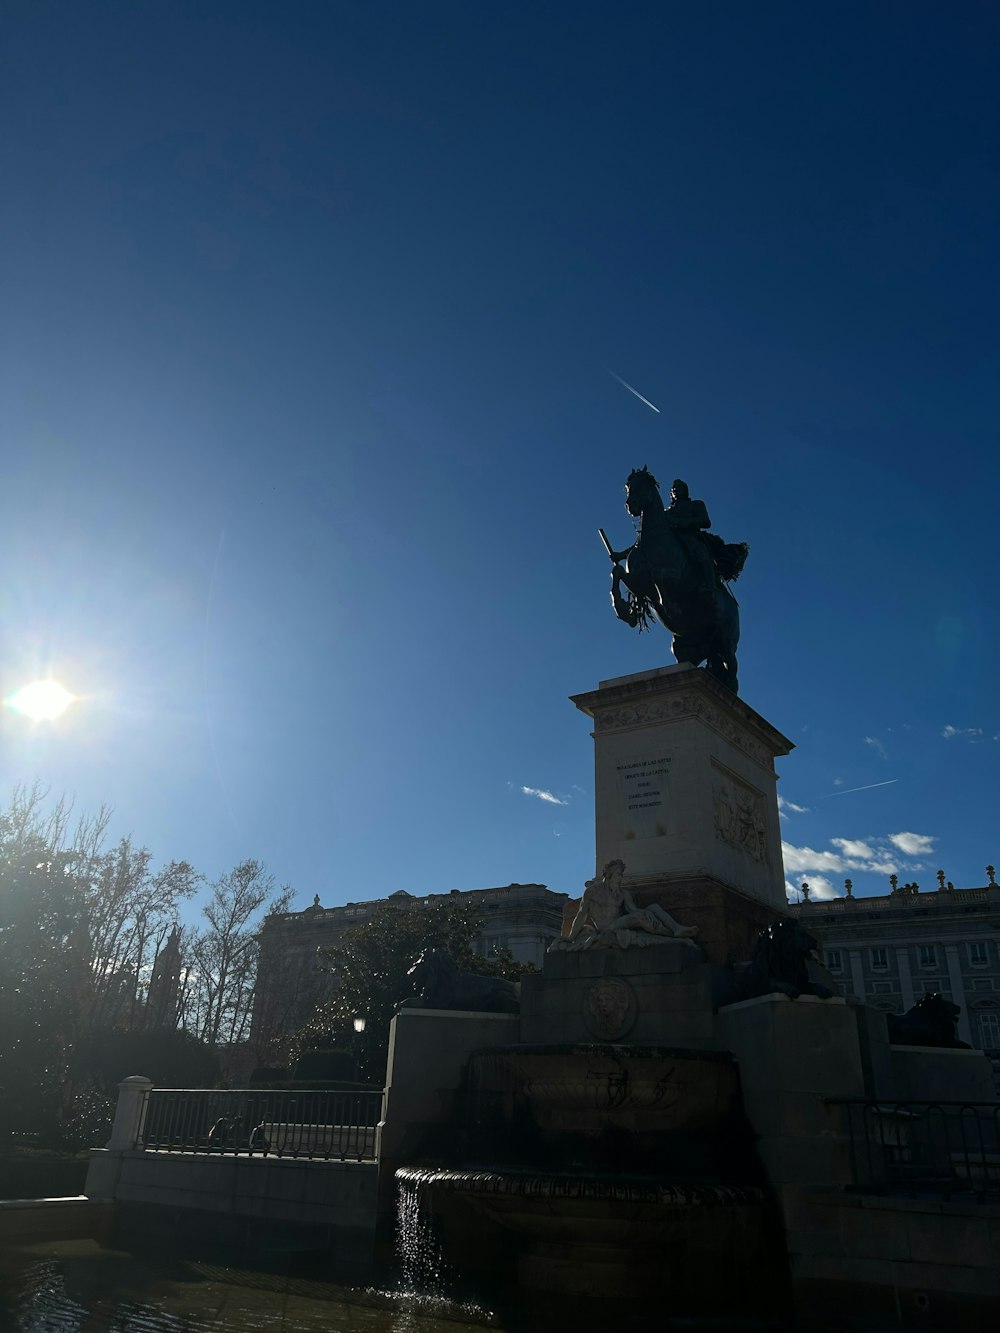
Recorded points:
(625,385)
(848,790)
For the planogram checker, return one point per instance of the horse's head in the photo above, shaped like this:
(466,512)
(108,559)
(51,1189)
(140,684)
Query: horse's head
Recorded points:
(639,490)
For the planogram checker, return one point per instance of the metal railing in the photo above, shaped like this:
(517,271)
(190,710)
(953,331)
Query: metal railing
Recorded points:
(944,1148)
(319,1125)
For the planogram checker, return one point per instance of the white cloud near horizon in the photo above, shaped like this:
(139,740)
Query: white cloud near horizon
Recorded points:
(806,858)
(860,851)
(967,733)
(913,844)
(820,889)
(872,856)
(540,794)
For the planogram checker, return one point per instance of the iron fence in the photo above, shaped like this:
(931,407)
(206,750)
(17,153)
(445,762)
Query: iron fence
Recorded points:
(944,1148)
(313,1124)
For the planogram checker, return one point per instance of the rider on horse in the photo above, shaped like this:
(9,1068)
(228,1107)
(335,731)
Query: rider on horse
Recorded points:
(677,572)
(688,518)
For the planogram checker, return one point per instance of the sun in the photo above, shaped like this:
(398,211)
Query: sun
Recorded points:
(42,700)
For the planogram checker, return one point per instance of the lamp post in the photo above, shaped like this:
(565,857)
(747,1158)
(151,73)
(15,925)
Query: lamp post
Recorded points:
(359,1027)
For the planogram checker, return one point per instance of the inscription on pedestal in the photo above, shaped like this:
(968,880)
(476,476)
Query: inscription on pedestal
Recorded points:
(643,790)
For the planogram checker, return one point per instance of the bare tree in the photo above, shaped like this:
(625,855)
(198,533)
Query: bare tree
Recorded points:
(223,956)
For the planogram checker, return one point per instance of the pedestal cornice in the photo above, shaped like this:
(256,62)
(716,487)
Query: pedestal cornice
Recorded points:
(671,694)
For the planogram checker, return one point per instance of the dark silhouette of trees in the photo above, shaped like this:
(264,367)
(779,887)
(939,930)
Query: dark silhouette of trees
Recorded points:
(369,972)
(96,969)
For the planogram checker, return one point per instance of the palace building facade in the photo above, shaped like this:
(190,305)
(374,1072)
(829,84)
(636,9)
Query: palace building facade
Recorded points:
(892,948)
(294,973)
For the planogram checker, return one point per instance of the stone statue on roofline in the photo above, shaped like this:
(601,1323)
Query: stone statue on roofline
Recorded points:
(607,917)
(677,572)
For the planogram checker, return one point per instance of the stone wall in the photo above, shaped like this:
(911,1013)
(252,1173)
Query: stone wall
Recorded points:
(328,1195)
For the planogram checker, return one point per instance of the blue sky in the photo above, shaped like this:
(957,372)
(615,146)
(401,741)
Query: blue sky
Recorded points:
(307,317)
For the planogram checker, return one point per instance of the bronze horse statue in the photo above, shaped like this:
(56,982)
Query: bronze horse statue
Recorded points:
(678,573)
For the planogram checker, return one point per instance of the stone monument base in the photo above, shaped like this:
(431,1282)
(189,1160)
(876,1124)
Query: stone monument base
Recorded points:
(659,996)
(728,921)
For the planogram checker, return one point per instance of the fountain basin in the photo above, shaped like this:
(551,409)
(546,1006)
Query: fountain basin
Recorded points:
(610,1236)
(649,1108)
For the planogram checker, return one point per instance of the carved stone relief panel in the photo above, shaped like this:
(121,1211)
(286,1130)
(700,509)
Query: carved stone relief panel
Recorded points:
(609,1008)
(740,815)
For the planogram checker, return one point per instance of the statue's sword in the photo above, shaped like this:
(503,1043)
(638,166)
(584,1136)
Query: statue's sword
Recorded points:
(607,544)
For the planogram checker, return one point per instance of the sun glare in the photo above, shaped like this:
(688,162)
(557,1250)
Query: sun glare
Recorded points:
(42,700)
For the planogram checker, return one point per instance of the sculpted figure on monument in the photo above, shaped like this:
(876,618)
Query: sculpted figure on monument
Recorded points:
(440,984)
(932,1021)
(608,918)
(785,962)
(677,572)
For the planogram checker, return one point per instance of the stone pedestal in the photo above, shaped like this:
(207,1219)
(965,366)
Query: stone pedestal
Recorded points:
(941,1074)
(428,1050)
(659,996)
(793,1056)
(728,921)
(685,788)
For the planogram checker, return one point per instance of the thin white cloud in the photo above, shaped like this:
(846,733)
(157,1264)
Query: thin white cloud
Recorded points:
(857,851)
(820,889)
(913,844)
(878,747)
(806,858)
(971,734)
(869,786)
(823,889)
(838,782)
(625,385)
(540,794)
(790,805)
(872,856)
(884,865)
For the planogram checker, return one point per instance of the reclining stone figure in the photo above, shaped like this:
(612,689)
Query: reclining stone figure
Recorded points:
(607,917)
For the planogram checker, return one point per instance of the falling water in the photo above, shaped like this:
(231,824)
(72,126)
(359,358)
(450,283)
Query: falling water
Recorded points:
(416,1247)
(426,1279)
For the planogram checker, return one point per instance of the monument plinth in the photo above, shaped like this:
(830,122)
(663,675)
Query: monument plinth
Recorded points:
(685,794)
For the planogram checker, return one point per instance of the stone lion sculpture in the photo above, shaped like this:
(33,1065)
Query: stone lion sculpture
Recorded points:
(931,1022)
(785,961)
(440,984)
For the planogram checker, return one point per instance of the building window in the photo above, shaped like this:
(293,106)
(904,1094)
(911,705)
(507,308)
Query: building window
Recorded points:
(978,955)
(833,959)
(989,1030)
(928,955)
(880,958)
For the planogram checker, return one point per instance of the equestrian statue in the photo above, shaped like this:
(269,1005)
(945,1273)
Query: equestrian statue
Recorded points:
(677,572)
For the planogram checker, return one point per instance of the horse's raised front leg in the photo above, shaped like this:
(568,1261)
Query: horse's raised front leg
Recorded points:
(624,609)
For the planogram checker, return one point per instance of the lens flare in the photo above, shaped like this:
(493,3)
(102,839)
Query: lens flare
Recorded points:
(42,700)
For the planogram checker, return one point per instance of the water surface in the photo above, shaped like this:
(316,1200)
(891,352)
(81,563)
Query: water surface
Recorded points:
(78,1287)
